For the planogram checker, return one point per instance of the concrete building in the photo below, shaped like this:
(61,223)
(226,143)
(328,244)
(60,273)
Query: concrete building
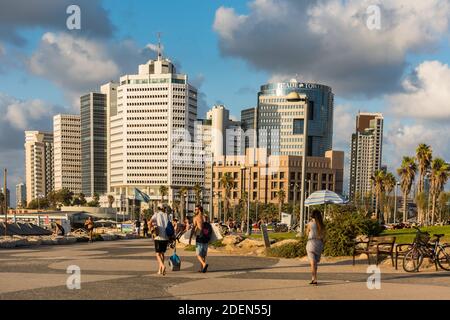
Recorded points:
(110,92)
(39,171)
(270,173)
(67,152)
(21,195)
(248,124)
(281,117)
(93,143)
(151,135)
(366,152)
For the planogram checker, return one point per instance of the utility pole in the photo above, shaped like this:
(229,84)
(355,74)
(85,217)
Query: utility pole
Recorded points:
(211,195)
(6,203)
(302,195)
(248,199)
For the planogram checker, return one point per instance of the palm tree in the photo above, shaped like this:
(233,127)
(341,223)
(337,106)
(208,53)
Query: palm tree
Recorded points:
(377,185)
(176,207)
(183,192)
(198,193)
(443,199)
(281,197)
(407,173)
(163,190)
(111,200)
(424,155)
(388,186)
(440,172)
(227,183)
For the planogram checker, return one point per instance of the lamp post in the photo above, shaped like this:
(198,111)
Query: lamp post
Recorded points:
(305,146)
(6,203)
(211,191)
(395,199)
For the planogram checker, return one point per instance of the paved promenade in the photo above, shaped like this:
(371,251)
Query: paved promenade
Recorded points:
(127,270)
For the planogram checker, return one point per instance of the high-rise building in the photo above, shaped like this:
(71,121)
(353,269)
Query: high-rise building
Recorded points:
(248,124)
(281,116)
(366,153)
(67,152)
(151,136)
(110,91)
(93,143)
(7,196)
(38,164)
(21,195)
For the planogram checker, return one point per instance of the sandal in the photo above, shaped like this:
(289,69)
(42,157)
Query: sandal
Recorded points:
(314,282)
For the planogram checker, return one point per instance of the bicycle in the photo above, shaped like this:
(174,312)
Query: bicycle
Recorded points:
(423,248)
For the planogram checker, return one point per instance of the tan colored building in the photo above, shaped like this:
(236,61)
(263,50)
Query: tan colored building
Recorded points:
(270,174)
(38,164)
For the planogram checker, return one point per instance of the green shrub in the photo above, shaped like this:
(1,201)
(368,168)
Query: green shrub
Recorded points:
(343,227)
(289,250)
(217,244)
(189,248)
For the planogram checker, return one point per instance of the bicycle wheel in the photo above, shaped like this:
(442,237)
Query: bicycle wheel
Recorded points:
(412,260)
(443,256)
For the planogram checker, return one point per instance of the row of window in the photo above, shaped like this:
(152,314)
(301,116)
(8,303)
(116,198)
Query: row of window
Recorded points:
(147,103)
(146,89)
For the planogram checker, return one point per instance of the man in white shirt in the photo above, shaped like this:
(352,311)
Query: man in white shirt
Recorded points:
(160,220)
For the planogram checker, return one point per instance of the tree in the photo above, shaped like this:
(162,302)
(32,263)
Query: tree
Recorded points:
(176,207)
(163,191)
(41,203)
(2,203)
(407,173)
(377,185)
(227,183)
(198,193)
(111,200)
(440,172)
(423,156)
(183,192)
(388,186)
(444,198)
(281,197)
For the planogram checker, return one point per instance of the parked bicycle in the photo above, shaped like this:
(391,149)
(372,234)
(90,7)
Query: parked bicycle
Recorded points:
(423,248)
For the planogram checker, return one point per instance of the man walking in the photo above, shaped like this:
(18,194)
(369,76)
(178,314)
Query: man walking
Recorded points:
(89,225)
(202,230)
(137,225)
(159,222)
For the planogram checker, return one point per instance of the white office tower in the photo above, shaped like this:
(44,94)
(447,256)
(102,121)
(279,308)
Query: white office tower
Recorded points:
(366,153)
(39,173)
(21,195)
(67,152)
(152,134)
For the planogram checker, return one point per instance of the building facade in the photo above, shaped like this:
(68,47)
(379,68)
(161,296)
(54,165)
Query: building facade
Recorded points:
(93,143)
(280,119)
(152,134)
(270,173)
(21,195)
(67,152)
(248,124)
(366,153)
(39,171)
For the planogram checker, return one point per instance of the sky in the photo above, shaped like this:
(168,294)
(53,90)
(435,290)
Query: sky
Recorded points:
(399,66)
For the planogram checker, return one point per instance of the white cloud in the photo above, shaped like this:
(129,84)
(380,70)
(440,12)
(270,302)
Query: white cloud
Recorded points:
(79,65)
(328,41)
(426,93)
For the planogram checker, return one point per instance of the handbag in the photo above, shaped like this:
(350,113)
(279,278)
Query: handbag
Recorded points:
(175,261)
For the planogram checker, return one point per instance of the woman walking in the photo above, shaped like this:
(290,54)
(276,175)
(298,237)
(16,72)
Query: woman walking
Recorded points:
(316,233)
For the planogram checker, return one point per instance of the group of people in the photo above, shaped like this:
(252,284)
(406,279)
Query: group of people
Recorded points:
(202,230)
(158,224)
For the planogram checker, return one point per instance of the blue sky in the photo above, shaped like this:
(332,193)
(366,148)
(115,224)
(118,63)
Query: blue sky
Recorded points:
(230,48)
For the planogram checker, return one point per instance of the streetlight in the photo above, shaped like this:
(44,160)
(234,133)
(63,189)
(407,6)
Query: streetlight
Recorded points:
(395,199)
(244,169)
(295,185)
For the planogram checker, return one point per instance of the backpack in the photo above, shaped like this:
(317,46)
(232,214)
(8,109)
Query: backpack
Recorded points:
(175,262)
(206,233)
(170,231)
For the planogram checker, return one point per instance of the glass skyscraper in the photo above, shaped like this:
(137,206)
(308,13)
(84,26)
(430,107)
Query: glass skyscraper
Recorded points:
(280,122)
(93,143)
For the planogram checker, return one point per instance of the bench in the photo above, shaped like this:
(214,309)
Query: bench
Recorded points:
(375,245)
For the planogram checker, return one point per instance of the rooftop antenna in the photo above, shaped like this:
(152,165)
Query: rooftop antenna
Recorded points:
(159,46)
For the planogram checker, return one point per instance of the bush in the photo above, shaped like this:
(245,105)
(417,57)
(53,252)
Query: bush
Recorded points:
(289,250)
(342,229)
(217,244)
(190,248)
